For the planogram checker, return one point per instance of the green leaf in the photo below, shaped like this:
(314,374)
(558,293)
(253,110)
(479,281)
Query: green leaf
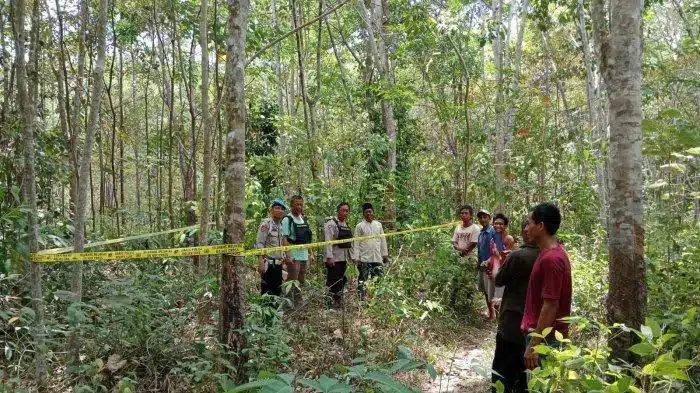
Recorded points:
(643,349)
(694,151)
(558,336)
(546,331)
(591,384)
(245,387)
(647,332)
(657,184)
(387,382)
(654,326)
(675,167)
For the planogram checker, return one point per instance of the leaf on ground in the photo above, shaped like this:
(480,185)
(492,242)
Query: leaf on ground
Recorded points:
(115,362)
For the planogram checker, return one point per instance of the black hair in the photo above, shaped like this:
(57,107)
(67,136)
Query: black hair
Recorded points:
(524,223)
(548,214)
(501,216)
(295,198)
(366,206)
(467,208)
(341,204)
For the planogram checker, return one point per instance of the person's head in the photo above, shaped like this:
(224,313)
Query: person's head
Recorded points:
(343,210)
(523,233)
(544,221)
(368,212)
(466,213)
(484,218)
(277,209)
(297,203)
(500,222)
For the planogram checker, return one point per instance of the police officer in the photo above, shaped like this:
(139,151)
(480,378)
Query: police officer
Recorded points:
(270,235)
(337,255)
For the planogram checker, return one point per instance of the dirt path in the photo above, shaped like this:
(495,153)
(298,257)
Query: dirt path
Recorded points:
(466,368)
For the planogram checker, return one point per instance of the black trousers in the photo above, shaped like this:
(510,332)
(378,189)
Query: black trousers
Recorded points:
(335,279)
(271,280)
(509,363)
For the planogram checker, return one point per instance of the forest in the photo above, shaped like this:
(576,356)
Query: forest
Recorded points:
(158,136)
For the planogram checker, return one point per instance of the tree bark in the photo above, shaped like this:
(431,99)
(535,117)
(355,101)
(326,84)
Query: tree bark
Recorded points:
(309,118)
(595,114)
(231,307)
(621,67)
(137,140)
(86,158)
(499,135)
(207,158)
(27,108)
(373,20)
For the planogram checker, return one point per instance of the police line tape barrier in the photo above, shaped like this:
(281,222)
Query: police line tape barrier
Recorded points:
(235,249)
(117,240)
(121,240)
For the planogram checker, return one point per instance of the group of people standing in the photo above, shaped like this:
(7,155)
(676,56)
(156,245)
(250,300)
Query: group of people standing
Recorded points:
(529,288)
(282,229)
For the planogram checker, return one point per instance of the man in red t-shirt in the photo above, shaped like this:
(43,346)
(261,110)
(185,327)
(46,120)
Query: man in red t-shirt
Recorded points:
(549,290)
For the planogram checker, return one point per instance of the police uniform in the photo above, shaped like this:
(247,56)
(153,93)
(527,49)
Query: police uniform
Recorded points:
(270,235)
(335,275)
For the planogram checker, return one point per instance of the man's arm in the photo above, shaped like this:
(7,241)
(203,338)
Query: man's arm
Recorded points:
(355,250)
(260,243)
(503,277)
(382,246)
(546,319)
(285,233)
(329,234)
(469,248)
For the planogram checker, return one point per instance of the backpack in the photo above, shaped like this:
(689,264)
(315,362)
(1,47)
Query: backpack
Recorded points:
(302,232)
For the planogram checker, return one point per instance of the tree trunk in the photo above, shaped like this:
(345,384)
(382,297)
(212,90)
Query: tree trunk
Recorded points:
(595,114)
(621,63)
(376,33)
(499,134)
(348,97)
(207,158)
(27,126)
(309,118)
(231,307)
(217,122)
(137,140)
(86,158)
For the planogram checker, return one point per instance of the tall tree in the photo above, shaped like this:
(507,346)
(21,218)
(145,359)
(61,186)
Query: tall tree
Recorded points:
(373,19)
(231,301)
(27,82)
(621,67)
(86,158)
(206,130)
(309,115)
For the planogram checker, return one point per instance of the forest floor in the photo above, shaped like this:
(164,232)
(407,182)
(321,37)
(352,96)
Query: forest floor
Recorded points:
(464,367)
(459,344)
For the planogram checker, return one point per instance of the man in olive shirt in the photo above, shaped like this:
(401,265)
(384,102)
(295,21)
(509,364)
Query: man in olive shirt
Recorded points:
(510,343)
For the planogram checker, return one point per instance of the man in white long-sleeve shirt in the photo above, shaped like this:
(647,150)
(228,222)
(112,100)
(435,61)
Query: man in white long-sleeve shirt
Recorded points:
(369,254)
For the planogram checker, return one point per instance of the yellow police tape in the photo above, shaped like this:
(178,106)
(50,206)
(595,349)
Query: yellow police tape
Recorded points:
(117,240)
(235,249)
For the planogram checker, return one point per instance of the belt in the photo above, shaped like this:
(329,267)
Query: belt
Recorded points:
(274,261)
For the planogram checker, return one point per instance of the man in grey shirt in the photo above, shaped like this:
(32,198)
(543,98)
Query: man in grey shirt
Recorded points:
(337,255)
(270,235)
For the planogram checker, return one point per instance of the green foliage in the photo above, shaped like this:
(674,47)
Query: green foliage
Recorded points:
(267,344)
(359,374)
(586,365)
